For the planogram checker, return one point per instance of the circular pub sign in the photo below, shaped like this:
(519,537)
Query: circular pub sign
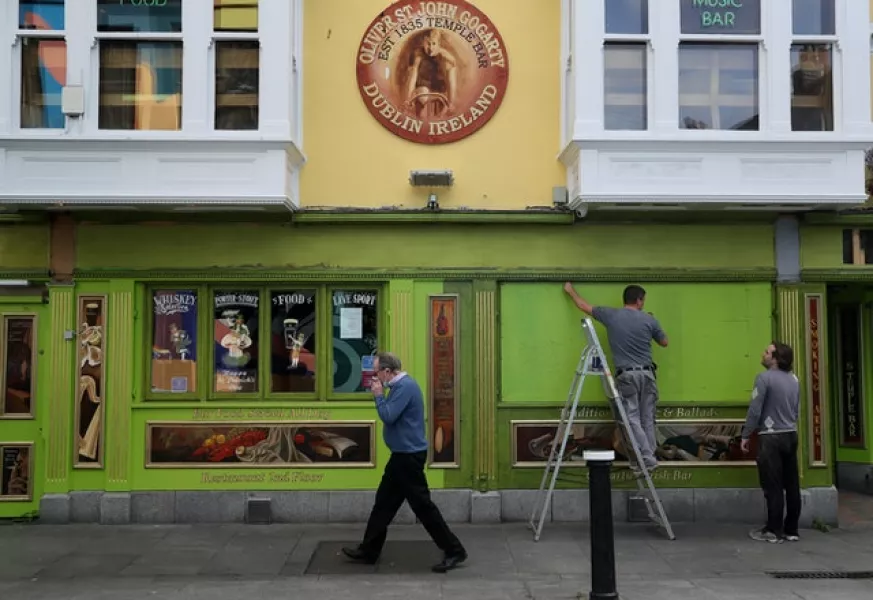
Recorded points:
(432,72)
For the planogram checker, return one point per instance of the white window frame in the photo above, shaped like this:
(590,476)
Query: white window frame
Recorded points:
(716,39)
(644,40)
(836,66)
(16,70)
(93,123)
(234,36)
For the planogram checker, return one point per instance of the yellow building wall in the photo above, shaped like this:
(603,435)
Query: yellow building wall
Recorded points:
(510,163)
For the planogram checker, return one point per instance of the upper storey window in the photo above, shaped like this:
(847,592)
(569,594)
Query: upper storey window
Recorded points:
(812,54)
(718,64)
(625,56)
(237,64)
(43,63)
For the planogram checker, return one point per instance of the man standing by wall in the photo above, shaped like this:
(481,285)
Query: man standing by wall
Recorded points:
(773,412)
(630,332)
(401,409)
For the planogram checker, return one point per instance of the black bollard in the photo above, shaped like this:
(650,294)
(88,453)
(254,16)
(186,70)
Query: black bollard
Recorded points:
(599,464)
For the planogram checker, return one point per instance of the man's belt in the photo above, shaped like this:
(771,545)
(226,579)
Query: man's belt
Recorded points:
(625,370)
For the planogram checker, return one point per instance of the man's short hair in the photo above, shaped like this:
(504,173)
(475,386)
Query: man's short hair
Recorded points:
(783,355)
(633,294)
(387,360)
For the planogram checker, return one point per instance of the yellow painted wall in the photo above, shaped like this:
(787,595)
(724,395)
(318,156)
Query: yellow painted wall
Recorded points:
(353,161)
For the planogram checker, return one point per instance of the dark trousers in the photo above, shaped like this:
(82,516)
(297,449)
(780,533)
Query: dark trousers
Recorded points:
(780,480)
(404,480)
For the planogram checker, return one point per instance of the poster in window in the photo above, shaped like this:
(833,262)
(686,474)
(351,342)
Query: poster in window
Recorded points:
(235,335)
(16,460)
(292,341)
(18,352)
(720,17)
(852,381)
(90,404)
(174,341)
(355,339)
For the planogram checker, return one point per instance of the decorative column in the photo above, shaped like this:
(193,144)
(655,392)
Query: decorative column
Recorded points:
(60,364)
(790,330)
(401,332)
(119,389)
(485,293)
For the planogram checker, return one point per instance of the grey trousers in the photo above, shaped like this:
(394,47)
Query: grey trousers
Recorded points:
(639,393)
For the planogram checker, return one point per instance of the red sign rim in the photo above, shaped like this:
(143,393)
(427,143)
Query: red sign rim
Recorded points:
(498,76)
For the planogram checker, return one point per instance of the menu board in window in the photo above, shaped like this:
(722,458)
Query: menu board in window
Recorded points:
(292,341)
(235,339)
(174,341)
(16,478)
(355,339)
(18,335)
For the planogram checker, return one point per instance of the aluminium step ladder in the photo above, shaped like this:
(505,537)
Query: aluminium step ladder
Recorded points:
(593,362)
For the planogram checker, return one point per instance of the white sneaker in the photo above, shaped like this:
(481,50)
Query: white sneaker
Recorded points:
(762,535)
(792,538)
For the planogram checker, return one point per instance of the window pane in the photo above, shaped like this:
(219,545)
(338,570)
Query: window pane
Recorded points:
(235,338)
(292,341)
(624,86)
(174,341)
(235,15)
(812,107)
(41,14)
(237,85)
(627,16)
(43,75)
(18,351)
(718,86)
(153,16)
(813,17)
(355,339)
(140,85)
(739,17)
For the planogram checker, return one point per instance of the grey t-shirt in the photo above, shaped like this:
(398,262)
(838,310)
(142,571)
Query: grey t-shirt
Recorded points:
(630,335)
(775,403)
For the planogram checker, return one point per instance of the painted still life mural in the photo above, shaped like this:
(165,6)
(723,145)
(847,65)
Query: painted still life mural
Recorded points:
(174,341)
(678,442)
(90,405)
(19,344)
(16,475)
(259,445)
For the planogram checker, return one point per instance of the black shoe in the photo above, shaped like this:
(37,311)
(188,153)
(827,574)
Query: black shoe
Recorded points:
(357,555)
(449,562)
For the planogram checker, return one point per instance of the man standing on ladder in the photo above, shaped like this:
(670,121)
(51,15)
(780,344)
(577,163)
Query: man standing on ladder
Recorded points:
(631,331)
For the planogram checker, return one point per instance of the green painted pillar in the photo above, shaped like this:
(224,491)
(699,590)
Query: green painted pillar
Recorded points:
(58,424)
(119,384)
(485,365)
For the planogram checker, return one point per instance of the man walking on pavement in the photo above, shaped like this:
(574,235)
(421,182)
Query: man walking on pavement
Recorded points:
(401,409)
(773,413)
(630,332)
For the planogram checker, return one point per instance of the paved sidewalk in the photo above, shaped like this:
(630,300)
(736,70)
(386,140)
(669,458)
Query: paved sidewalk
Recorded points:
(243,561)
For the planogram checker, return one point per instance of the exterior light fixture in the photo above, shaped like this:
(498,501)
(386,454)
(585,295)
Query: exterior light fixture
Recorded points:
(431,179)
(14,283)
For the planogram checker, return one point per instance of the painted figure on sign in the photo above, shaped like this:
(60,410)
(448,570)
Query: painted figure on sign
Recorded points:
(237,340)
(432,80)
(180,339)
(19,480)
(91,337)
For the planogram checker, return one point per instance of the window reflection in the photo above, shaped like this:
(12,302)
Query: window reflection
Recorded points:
(813,17)
(43,75)
(812,107)
(140,85)
(627,16)
(625,87)
(41,14)
(237,85)
(235,15)
(718,86)
(116,16)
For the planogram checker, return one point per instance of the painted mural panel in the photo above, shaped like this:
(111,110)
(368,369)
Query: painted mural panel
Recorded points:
(293,340)
(680,442)
(236,333)
(174,341)
(16,479)
(90,400)
(292,444)
(444,381)
(18,354)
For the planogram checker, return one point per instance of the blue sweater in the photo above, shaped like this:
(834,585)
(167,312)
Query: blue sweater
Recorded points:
(402,411)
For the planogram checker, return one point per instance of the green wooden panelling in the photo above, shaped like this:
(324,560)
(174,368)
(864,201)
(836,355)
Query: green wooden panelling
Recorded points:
(24,247)
(717,333)
(821,247)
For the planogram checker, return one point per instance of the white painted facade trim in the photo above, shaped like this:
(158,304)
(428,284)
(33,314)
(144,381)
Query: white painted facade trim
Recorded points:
(773,166)
(191,167)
